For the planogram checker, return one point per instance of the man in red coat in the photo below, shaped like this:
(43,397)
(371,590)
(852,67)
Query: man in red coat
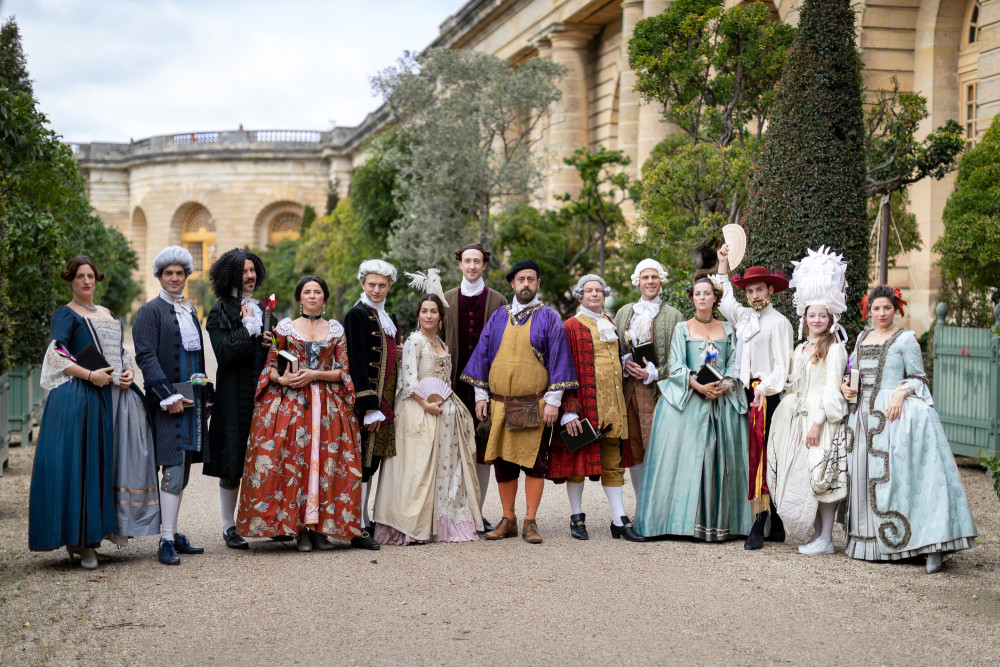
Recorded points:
(593,341)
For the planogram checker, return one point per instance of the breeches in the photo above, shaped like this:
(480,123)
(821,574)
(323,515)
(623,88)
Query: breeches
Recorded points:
(175,478)
(612,473)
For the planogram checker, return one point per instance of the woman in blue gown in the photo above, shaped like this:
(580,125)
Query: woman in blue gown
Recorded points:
(906,498)
(695,479)
(72,499)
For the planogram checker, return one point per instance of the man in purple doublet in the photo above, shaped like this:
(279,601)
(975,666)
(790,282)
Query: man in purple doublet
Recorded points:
(519,369)
(469,307)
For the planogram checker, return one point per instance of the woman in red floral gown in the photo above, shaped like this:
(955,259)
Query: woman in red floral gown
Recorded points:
(302,472)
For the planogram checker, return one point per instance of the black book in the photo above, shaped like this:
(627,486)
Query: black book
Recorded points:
(587,435)
(645,351)
(186,390)
(287,361)
(91,358)
(707,374)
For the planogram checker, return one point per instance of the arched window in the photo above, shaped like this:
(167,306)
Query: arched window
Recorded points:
(198,236)
(972,25)
(285,226)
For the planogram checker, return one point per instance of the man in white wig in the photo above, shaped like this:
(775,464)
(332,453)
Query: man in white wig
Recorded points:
(169,350)
(647,320)
(598,402)
(373,339)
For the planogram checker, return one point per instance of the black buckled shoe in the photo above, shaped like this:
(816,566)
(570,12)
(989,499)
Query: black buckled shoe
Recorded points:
(626,530)
(756,538)
(182,546)
(487,526)
(578,526)
(167,554)
(366,541)
(234,541)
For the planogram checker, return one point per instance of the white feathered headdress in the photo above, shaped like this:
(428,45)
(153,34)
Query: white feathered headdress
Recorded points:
(820,279)
(429,283)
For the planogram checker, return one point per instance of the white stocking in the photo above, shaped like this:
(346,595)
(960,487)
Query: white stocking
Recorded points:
(635,472)
(227,504)
(614,494)
(575,492)
(826,514)
(365,519)
(483,472)
(170,507)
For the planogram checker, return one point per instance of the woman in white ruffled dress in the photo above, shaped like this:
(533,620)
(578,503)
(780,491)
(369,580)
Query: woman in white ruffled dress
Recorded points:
(429,491)
(807,465)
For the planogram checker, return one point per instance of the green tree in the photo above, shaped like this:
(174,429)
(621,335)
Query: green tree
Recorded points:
(895,159)
(467,122)
(46,218)
(713,71)
(970,245)
(282,275)
(374,191)
(808,187)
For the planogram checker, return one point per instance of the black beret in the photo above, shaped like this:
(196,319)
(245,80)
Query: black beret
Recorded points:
(523,265)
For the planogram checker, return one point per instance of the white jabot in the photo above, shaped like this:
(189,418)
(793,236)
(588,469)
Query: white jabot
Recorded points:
(516,306)
(643,314)
(185,313)
(383,317)
(472,289)
(763,341)
(605,329)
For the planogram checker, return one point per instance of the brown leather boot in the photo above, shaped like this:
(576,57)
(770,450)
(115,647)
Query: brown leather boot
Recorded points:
(506,528)
(530,534)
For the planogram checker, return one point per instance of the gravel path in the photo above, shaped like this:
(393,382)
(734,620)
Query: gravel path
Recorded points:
(508,602)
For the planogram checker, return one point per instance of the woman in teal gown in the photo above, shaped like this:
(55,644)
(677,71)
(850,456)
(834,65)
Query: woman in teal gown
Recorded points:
(696,472)
(906,498)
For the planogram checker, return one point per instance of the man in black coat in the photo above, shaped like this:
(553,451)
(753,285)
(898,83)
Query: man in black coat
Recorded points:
(236,328)
(373,341)
(169,351)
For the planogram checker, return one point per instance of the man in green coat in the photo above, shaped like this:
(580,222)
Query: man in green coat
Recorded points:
(236,328)
(647,320)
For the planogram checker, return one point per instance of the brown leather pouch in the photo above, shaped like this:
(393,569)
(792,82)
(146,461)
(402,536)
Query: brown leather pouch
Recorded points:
(522,413)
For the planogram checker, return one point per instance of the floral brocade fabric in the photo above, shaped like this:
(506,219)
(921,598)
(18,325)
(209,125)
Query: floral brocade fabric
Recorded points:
(303,463)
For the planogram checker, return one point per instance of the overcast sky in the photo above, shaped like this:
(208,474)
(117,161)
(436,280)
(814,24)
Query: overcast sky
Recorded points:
(111,70)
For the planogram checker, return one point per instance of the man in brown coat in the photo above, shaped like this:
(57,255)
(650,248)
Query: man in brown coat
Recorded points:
(469,308)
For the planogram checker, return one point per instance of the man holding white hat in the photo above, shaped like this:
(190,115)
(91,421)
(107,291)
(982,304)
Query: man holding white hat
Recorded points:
(644,321)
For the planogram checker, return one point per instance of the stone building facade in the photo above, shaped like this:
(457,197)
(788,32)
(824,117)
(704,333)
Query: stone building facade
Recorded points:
(214,190)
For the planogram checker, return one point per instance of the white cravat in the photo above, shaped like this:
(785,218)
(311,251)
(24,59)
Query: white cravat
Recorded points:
(643,314)
(183,310)
(254,323)
(605,329)
(383,317)
(472,289)
(516,306)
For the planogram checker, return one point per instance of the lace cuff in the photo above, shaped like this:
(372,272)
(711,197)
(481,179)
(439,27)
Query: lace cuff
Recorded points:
(568,417)
(916,385)
(170,400)
(654,375)
(373,416)
(53,367)
(252,325)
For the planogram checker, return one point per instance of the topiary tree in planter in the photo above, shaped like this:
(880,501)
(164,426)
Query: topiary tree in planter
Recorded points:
(808,185)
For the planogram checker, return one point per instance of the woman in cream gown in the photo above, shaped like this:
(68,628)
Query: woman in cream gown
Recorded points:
(429,490)
(807,473)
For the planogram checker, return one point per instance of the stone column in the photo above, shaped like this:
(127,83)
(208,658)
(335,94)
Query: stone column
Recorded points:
(569,126)
(652,129)
(988,90)
(629,102)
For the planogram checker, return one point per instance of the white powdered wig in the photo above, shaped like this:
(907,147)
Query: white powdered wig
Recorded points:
(173,254)
(377,266)
(589,278)
(648,263)
(820,279)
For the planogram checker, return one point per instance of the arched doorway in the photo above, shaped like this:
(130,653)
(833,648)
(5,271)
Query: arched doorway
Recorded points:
(288,225)
(277,222)
(198,236)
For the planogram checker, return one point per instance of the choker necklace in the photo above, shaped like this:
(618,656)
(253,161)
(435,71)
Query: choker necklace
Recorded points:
(708,321)
(92,309)
(313,317)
